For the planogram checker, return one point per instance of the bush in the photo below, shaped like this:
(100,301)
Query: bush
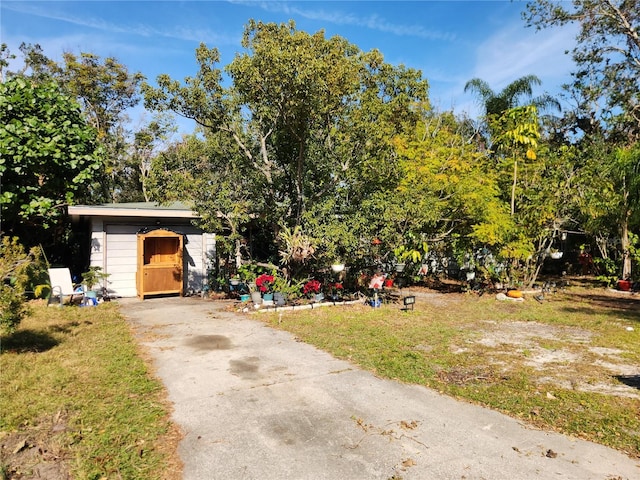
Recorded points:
(17,269)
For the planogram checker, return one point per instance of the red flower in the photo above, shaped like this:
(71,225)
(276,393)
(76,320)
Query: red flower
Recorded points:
(312,286)
(263,282)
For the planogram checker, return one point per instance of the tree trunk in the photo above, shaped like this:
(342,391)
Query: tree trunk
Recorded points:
(513,187)
(624,235)
(602,243)
(626,256)
(238,253)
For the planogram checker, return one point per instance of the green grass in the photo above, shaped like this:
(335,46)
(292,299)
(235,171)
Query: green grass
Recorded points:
(79,369)
(439,345)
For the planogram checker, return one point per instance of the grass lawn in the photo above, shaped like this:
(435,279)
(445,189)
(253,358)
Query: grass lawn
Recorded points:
(77,400)
(570,363)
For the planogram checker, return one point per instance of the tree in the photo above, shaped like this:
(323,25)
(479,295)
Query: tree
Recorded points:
(16,266)
(516,94)
(607,54)
(208,174)
(105,90)
(311,117)
(606,85)
(49,156)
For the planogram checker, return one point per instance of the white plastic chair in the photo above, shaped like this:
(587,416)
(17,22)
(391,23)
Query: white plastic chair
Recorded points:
(62,286)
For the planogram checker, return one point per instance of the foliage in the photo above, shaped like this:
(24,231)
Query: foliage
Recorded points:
(605,122)
(312,287)
(17,271)
(12,301)
(264,283)
(296,248)
(310,118)
(608,271)
(248,272)
(49,156)
(105,91)
(93,276)
(607,57)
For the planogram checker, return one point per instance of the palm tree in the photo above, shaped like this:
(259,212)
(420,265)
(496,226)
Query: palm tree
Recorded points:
(510,96)
(509,120)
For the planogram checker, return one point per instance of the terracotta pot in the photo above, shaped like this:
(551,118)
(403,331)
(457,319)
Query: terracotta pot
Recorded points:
(624,285)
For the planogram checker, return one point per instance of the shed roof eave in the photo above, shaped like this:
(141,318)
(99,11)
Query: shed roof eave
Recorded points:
(144,210)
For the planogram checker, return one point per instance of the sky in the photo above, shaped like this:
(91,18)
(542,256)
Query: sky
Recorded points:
(450,42)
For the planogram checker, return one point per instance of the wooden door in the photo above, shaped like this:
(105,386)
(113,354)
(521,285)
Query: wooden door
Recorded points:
(160,265)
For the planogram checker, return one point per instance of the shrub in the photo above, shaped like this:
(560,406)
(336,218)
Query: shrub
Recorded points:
(17,269)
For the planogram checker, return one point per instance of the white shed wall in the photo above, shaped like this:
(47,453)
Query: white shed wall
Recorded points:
(114,248)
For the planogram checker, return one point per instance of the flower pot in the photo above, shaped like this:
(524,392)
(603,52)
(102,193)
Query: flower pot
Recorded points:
(256,298)
(278,299)
(400,267)
(556,255)
(624,285)
(388,283)
(267,297)
(337,267)
(319,297)
(245,297)
(90,298)
(471,276)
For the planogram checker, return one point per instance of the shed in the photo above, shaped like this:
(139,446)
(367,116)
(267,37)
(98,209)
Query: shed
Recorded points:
(147,248)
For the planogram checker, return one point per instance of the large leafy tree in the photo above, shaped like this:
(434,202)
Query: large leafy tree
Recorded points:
(105,90)
(606,120)
(607,55)
(312,117)
(447,188)
(512,130)
(49,156)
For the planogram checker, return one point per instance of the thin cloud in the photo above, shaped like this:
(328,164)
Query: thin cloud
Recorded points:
(372,22)
(509,54)
(142,30)
(514,52)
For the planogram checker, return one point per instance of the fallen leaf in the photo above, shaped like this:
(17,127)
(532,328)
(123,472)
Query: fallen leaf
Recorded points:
(409,462)
(20,446)
(409,425)
(551,454)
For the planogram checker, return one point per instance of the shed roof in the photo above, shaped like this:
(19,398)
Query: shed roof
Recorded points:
(134,209)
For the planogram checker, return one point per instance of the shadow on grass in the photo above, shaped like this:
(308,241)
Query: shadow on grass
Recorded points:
(24,341)
(616,306)
(629,380)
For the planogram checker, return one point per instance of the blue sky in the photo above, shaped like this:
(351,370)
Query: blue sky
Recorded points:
(449,41)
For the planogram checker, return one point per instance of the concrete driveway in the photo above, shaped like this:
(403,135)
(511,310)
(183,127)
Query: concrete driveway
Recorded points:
(254,403)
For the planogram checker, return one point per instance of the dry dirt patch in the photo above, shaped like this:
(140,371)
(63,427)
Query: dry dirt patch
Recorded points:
(561,356)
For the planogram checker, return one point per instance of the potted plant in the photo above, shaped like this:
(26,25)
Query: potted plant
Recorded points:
(264,283)
(335,291)
(91,278)
(281,288)
(312,290)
